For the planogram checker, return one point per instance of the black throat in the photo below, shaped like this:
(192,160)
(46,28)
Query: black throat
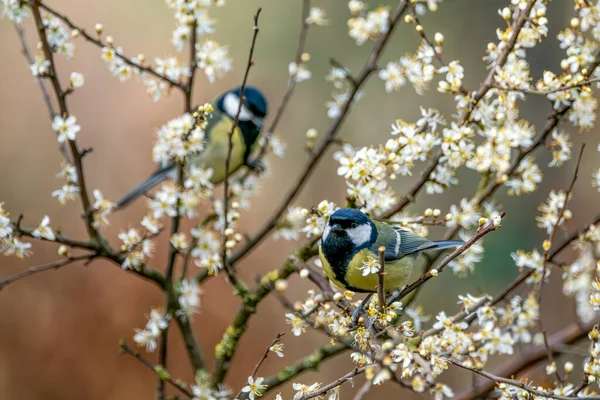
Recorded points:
(250,133)
(339,250)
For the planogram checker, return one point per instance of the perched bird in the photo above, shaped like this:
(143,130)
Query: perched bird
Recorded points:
(351,238)
(252,115)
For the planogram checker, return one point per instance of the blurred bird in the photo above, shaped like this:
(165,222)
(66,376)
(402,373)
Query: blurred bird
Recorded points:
(252,115)
(351,238)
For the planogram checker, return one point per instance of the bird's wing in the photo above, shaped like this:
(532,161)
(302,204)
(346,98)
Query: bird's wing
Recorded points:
(398,242)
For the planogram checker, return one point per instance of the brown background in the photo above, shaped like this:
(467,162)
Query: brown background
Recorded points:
(59,330)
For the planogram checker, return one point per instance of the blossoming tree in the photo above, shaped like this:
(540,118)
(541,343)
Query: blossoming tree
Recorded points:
(395,344)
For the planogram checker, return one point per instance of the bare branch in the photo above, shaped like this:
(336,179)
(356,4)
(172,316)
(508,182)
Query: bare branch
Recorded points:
(159,370)
(98,42)
(491,226)
(41,268)
(226,264)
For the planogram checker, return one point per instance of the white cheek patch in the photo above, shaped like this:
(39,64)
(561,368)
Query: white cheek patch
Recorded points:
(231,103)
(360,235)
(326,233)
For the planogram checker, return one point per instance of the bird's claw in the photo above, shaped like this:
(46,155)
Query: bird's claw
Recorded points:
(358,311)
(256,166)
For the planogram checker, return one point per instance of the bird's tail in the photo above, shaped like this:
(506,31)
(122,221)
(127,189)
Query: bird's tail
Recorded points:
(156,178)
(446,244)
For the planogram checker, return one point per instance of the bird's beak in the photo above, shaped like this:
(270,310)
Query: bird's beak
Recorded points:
(336,228)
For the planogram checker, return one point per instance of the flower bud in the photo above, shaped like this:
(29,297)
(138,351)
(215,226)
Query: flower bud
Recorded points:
(568,367)
(439,38)
(281,285)
(304,273)
(99,28)
(574,23)
(434,272)
(546,245)
(63,251)
(428,212)
(311,134)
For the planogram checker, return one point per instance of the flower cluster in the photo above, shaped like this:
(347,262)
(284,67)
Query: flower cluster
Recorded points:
(148,337)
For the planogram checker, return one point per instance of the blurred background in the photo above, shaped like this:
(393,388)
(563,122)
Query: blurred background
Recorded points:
(59,330)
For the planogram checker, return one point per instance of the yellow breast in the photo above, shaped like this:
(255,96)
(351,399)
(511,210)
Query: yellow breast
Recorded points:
(396,276)
(215,154)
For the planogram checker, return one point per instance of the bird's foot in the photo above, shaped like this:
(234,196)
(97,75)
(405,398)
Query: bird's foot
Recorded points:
(256,166)
(358,311)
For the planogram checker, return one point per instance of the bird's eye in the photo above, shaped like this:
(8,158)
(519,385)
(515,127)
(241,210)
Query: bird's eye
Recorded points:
(353,225)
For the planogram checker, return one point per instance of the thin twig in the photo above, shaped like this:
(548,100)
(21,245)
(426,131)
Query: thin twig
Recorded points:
(157,369)
(546,259)
(334,384)
(517,364)
(98,42)
(304,25)
(262,359)
(369,67)
(380,280)
(308,363)
(41,268)
(577,85)
(226,265)
(364,389)
(512,382)
(30,60)
(491,226)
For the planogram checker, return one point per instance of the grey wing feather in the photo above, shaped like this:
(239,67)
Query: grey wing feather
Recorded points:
(411,243)
(398,242)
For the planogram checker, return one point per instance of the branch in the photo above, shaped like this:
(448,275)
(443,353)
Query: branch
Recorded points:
(512,382)
(334,384)
(568,335)
(41,268)
(547,249)
(581,84)
(225,350)
(226,265)
(30,60)
(369,67)
(99,43)
(491,226)
(62,103)
(291,81)
(380,280)
(309,363)
(159,370)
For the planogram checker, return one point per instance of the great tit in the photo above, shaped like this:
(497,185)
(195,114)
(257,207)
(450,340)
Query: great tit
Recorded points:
(252,115)
(351,238)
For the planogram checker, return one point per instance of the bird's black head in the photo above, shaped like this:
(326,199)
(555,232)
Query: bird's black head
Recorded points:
(349,230)
(254,107)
